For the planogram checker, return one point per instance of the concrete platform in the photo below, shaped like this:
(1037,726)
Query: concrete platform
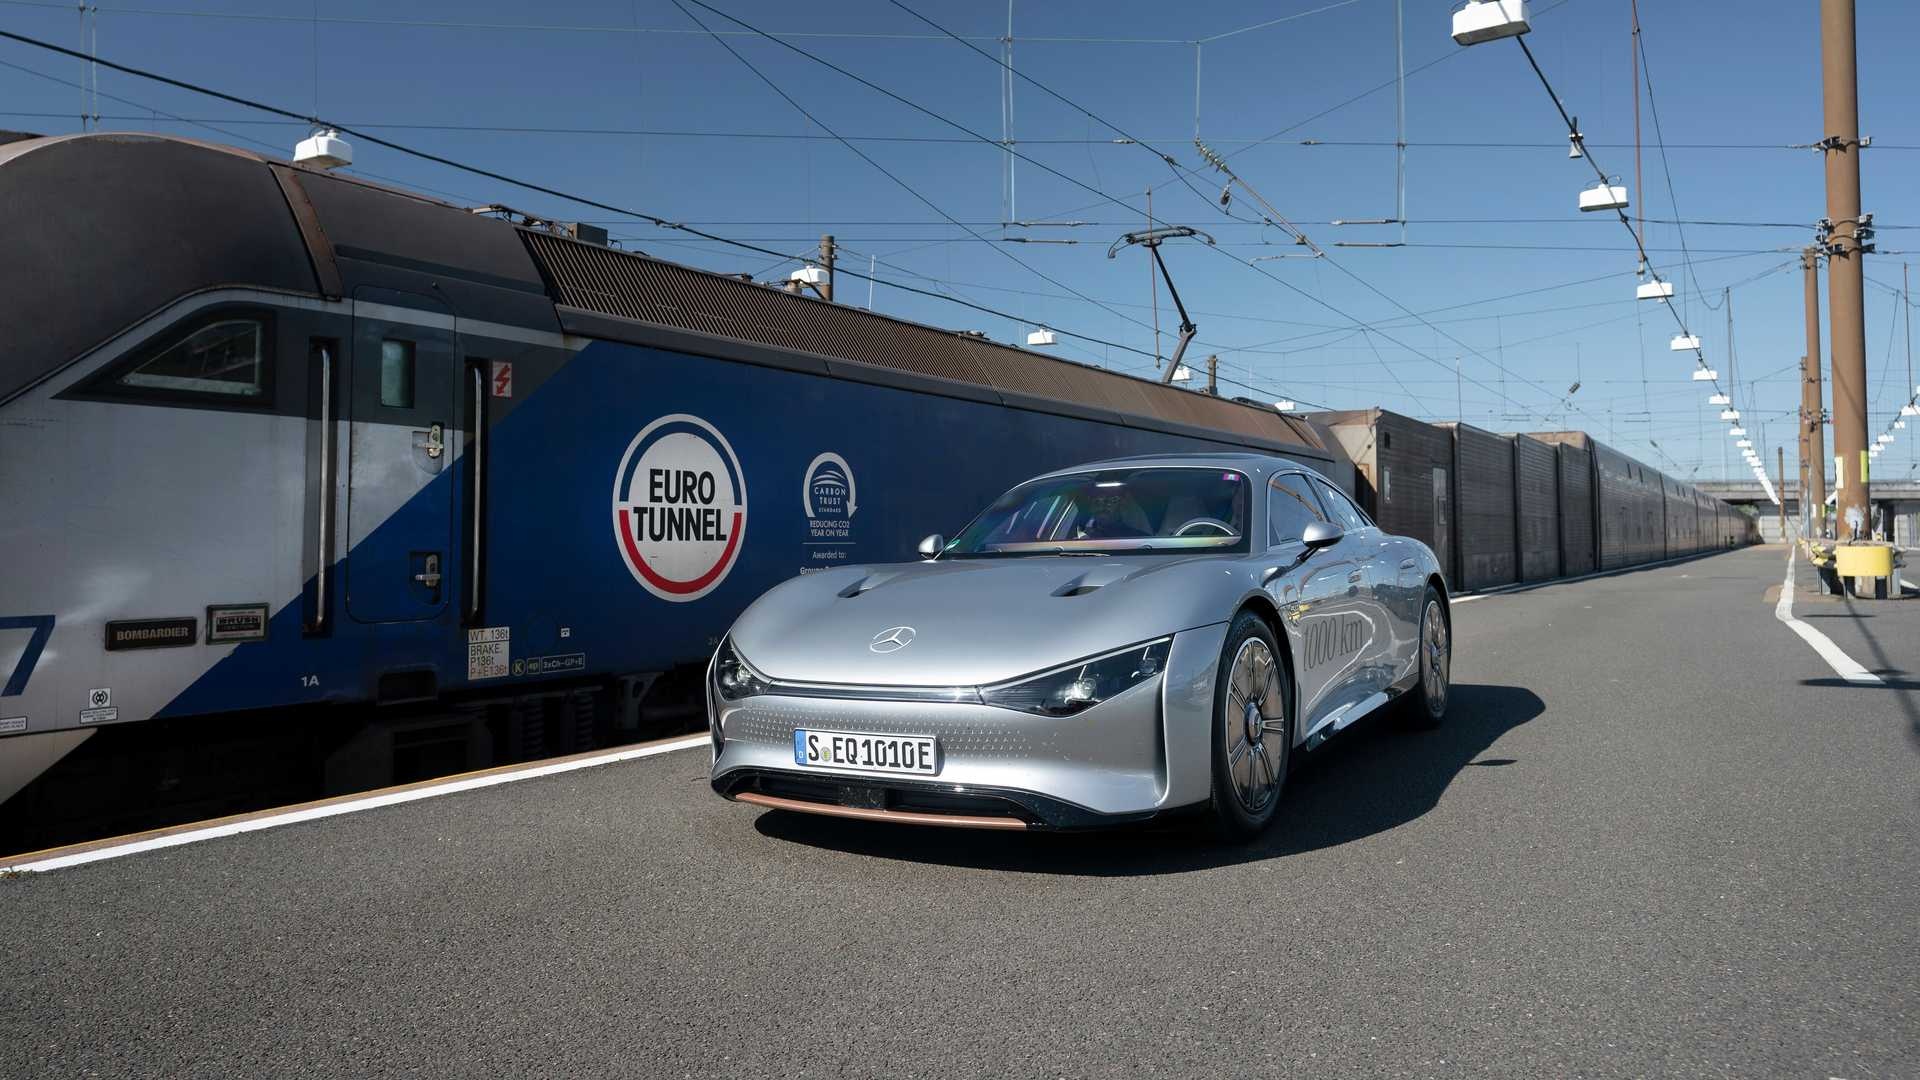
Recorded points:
(1656,837)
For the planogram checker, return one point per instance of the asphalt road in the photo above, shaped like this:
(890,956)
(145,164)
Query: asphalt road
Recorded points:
(1654,839)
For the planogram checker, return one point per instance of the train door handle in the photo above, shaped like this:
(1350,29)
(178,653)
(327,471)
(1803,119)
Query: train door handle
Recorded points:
(436,443)
(429,574)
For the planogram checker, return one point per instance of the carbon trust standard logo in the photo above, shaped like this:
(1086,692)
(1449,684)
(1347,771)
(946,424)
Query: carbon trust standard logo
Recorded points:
(829,492)
(679,507)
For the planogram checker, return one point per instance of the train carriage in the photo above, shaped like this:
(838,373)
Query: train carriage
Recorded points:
(1536,493)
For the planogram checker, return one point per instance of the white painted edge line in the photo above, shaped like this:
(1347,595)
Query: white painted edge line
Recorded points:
(352,806)
(1842,664)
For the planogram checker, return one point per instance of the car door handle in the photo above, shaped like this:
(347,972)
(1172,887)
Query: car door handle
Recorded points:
(1408,564)
(1357,576)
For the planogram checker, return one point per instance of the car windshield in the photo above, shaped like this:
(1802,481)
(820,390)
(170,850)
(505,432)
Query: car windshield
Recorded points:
(1113,511)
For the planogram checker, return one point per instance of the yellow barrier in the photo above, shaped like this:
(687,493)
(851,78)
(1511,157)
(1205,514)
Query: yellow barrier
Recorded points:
(1863,560)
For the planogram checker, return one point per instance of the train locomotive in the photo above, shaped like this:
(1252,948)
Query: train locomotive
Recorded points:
(281,446)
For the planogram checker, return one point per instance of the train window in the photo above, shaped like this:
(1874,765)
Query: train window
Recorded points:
(227,358)
(1291,507)
(396,374)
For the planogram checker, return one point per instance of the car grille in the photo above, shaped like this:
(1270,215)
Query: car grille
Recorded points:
(968,735)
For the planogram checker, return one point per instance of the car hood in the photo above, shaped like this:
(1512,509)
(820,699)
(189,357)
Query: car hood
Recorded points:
(976,621)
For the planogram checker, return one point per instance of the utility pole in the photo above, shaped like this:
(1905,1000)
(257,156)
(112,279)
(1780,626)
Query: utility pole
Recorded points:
(1213,368)
(1845,248)
(1806,519)
(1780,486)
(826,260)
(1813,437)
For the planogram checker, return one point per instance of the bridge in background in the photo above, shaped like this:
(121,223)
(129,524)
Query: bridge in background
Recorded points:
(1899,498)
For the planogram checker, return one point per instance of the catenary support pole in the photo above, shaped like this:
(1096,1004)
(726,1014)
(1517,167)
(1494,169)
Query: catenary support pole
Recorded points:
(1813,406)
(1845,304)
(826,260)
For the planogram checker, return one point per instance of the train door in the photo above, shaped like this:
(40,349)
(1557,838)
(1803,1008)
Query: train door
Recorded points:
(1443,522)
(401,392)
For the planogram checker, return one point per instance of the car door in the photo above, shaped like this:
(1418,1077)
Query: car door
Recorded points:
(1377,601)
(1319,603)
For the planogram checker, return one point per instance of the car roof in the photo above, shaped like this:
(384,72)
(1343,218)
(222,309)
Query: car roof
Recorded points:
(1230,459)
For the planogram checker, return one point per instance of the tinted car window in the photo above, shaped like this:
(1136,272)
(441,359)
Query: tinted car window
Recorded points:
(1291,507)
(1343,511)
(1113,511)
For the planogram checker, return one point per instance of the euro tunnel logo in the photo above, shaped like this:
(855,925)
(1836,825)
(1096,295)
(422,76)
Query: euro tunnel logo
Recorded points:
(679,507)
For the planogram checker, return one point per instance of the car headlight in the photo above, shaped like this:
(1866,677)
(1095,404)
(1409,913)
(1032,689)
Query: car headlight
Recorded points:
(733,678)
(1082,685)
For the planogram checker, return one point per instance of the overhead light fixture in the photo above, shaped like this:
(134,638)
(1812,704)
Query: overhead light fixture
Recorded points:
(1719,399)
(1603,196)
(1182,374)
(1910,410)
(1705,375)
(1737,431)
(1654,290)
(1744,444)
(1729,414)
(1684,342)
(324,149)
(1042,336)
(1574,139)
(1285,405)
(1489,20)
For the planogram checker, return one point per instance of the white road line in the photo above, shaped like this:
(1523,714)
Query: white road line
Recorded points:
(351,806)
(1842,664)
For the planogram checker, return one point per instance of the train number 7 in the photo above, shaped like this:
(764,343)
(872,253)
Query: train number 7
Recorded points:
(42,628)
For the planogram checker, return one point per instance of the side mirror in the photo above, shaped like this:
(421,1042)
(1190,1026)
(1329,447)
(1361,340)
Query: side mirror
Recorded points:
(931,546)
(1321,534)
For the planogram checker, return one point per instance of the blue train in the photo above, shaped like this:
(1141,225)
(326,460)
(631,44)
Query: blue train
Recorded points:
(278,446)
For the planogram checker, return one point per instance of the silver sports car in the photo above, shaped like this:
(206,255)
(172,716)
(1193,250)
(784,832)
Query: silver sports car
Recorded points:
(1103,644)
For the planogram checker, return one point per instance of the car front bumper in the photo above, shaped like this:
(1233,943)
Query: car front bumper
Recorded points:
(1139,754)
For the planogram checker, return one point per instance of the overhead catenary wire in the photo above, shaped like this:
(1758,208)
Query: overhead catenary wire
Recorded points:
(891,175)
(490,174)
(1647,263)
(1173,163)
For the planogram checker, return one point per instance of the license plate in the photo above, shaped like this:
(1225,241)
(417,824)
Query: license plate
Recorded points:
(912,754)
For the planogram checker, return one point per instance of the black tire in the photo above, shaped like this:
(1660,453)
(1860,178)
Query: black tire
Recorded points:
(1250,774)
(1424,707)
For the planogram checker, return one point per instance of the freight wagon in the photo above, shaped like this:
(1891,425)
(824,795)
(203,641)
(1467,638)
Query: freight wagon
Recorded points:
(277,444)
(1518,508)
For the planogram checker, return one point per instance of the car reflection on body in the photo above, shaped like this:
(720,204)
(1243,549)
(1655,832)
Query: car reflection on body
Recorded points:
(1104,644)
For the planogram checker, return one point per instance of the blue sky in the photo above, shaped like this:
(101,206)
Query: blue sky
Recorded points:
(629,103)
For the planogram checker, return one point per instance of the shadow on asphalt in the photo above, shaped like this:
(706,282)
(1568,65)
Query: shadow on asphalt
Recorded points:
(1373,777)
(1890,675)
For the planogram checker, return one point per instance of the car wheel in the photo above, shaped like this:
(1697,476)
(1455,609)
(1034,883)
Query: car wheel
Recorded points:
(1427,703)
(1252,729)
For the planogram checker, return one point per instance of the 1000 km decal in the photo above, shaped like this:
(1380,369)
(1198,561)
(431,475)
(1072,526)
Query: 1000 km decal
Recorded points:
(679,507)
